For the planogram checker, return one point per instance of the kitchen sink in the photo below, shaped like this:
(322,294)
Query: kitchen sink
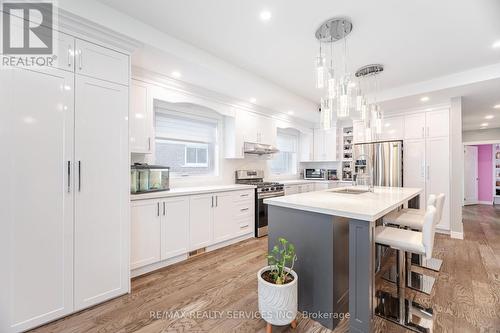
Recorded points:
(348,190)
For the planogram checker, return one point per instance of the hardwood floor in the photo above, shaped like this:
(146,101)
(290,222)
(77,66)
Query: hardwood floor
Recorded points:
(466,297)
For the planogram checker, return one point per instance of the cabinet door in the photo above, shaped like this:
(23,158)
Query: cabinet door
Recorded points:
(319,145)
(141,119)
(267,131)
(309,187)
(306,147)
(247,126)
(102,63)
(330,144)
(414,166)
(36,215)
(145,233)
(102,195)
(414,126)
(201,217)
(392,128)
(225,226)
(437,123)
(175,227)
(358,131)
(438,174)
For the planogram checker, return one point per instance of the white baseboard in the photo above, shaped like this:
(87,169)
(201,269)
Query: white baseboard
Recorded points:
(442,231)
(457,235)
(485,202)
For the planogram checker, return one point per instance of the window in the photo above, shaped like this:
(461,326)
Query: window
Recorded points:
(185,142)
(285,162)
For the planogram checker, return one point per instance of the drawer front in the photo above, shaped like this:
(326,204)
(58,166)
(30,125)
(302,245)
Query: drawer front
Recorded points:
(245,225)
(244,209)
(245,195)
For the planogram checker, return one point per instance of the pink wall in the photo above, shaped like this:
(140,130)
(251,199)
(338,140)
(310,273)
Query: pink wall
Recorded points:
(485,172)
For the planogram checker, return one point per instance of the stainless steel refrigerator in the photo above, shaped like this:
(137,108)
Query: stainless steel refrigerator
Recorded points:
(386,159)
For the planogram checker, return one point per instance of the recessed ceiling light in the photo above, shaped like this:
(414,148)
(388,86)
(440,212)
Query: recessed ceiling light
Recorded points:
(176,74)
(387,124)
(424,99)
(490,116)
(496,45)
(253,99)
(265,15)
(484,124)
(496,106)
(429,109)
(290,112)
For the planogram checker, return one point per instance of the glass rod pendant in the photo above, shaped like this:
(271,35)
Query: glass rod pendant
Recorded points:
(320,71)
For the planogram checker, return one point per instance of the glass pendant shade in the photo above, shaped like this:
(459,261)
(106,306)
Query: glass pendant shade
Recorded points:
(332,87)
(326,114)
(344,99)
(320,71)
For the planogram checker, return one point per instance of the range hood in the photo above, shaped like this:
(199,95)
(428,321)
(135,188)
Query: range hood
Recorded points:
(259,149)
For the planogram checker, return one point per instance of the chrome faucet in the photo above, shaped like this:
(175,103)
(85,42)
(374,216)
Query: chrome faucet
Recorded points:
(368,166)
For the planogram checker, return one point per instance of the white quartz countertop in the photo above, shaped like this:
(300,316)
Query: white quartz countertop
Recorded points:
(174,192)
(308,181)
(365,206)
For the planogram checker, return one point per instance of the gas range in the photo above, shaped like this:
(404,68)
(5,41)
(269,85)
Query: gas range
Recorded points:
(263,186)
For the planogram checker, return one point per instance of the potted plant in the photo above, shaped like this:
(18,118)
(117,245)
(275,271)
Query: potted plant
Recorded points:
(277,286)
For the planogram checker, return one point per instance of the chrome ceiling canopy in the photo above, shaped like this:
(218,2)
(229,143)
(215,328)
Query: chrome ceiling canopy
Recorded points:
(334,29)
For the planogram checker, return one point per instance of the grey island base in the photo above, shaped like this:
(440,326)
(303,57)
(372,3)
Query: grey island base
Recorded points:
(333,233)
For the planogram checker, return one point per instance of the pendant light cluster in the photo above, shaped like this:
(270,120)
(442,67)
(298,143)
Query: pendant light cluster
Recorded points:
(344,93)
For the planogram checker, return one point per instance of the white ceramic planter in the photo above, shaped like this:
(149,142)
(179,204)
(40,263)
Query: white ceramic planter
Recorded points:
(277,303)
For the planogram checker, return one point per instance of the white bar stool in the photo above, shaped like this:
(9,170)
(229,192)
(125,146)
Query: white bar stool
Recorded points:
(413,219)
(399,309)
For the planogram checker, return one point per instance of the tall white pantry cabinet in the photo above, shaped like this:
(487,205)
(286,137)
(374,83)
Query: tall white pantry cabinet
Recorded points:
(64,232)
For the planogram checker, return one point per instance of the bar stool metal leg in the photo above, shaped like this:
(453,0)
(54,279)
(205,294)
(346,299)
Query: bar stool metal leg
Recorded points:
(400,310)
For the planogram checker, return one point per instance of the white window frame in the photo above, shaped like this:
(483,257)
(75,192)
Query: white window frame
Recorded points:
(295,170)
(197,164)
(196,113)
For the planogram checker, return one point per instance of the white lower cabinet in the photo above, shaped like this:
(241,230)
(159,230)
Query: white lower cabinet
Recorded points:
(174,227)
(165,228)
(321,186)
(201,220)
(146,235)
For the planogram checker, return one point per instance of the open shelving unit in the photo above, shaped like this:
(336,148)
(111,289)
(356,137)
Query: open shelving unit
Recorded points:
(347,162)
(496,171)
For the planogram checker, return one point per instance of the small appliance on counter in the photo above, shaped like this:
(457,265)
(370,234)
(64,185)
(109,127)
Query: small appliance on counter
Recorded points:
(331,174)
(315,174)
(146,178)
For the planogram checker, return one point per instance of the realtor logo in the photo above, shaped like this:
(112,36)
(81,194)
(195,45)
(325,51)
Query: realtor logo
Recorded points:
(27,28)
(27,34)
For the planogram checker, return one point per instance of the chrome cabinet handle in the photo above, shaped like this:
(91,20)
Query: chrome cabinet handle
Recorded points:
(216,201)
(164,210)
(158,208)
(212,200)
(80,61)
(69,177)
(69,55)
(243,209)
(149,143)
(79,176)
(244,195)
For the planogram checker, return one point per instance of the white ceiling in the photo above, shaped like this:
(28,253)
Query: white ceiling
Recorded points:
(415,40)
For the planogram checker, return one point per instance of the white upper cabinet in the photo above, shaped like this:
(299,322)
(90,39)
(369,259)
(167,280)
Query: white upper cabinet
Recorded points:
(102,191)
(414,166)
(325,144)
(247,127)
(414,126)
(140,119)
(306,146)
(392,128)
(102,63)
(358,130)
(438,123)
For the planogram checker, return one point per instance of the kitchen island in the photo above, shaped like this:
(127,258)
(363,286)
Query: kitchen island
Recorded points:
(333,232)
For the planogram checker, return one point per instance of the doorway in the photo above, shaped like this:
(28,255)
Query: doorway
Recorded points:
(471,177)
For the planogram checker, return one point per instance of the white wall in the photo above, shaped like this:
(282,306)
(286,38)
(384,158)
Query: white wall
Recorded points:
(457,168)
(481,135)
